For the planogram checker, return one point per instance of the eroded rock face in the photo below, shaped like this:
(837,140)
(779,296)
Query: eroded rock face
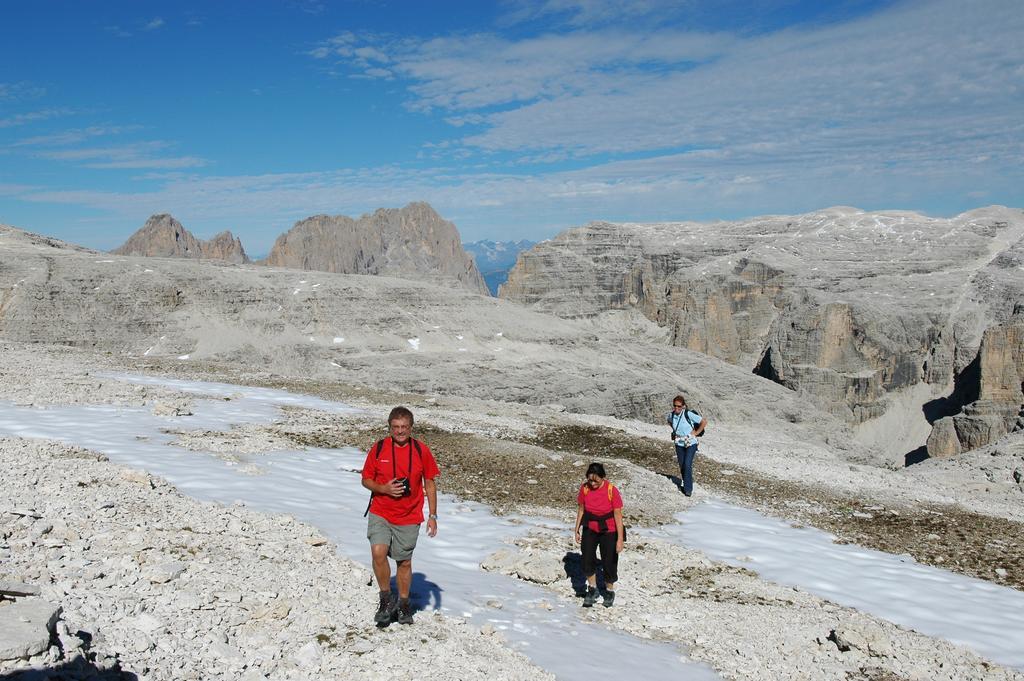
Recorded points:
(995,383)
(847,306)
(413,242)
(163,236)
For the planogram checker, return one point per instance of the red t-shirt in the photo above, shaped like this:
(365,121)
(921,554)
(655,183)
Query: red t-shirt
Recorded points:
(596,502)
(394,462)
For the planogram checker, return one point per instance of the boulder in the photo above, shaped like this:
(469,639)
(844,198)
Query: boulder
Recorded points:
(26,627)
(164,572)
(943,441)
(533,567)
(869,639)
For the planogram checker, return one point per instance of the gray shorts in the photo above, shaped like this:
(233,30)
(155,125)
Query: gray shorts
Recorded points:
(400,539)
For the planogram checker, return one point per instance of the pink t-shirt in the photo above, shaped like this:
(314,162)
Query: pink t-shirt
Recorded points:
(596,502)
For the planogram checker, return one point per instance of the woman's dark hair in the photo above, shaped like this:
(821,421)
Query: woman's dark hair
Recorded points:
(596,469)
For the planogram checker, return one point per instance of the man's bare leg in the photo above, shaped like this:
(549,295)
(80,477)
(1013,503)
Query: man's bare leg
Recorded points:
(403,576)
(381,566)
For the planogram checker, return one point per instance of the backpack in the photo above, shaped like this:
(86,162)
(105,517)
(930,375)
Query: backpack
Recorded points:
(376,455)
(694,425)
(588,516)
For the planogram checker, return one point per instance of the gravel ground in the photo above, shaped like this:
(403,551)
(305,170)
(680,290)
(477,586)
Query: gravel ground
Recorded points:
(531,459)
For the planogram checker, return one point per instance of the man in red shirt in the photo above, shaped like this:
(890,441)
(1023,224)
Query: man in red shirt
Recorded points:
(398,470)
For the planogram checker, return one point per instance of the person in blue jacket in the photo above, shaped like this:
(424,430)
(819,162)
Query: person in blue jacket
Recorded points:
(687,425)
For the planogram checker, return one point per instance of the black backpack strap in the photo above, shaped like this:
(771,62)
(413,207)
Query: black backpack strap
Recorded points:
(419,452)
(376,455)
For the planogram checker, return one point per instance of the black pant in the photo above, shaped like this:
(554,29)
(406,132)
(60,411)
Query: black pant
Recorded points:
(609,558)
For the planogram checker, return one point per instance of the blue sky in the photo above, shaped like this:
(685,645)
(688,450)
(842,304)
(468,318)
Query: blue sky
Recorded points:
(514,119)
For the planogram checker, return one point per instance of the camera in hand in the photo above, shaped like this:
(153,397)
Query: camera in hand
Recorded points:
(404,482)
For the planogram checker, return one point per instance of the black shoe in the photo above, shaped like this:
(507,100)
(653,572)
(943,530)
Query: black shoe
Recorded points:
(404,611)
(609,599)
(590,598)
(385,609)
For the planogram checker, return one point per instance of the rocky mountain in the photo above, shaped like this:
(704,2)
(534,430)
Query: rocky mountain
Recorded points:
(874,315)
(413,242)
(414,336)
(163,236)
(494,259)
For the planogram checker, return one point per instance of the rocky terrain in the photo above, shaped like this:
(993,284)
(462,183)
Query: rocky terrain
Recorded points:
(137,581)
(873,315)
(413,242)
(163,236)
(496,388)
(143,581)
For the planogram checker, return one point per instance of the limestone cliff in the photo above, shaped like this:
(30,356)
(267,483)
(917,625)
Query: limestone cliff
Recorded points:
(413,242)
(852,308)
(164,237)
(992,387)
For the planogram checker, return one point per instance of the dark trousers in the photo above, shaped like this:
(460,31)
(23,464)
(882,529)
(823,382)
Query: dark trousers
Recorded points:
(685,457)
(609,558)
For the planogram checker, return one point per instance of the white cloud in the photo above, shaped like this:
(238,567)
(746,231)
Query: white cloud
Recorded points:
(483,70)
(896,82)
(140,155)
(118,31)
(10,189)
(72,136)
(154,24)
(152,163)
(33,116)
(20,91)
(590,12)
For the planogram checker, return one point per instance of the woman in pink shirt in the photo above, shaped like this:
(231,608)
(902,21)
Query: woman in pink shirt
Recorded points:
(599,524)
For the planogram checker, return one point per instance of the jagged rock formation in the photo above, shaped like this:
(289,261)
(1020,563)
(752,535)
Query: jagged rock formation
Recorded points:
(413,242)
(164,237)
(494,259)
(850,307)
(992,387)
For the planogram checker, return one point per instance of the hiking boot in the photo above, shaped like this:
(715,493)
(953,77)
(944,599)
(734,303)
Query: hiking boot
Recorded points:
(590,598)
(609,599)
(404,611)
(385,609)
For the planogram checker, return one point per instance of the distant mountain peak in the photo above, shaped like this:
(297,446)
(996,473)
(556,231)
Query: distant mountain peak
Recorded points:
(164,237)
(412,242)
(496,258)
